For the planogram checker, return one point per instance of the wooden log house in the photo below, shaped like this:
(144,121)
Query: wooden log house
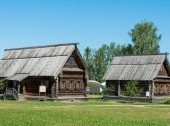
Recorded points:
(151,71)
(59,67)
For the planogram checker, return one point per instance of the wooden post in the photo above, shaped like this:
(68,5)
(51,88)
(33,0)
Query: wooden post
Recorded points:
(152,89)
(52,90)
(149,89)
(118,88)
(85,88)
(56,89)
(18,89)
(24,89)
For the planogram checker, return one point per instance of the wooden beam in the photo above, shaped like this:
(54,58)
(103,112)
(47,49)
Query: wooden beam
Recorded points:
(56,87)
(85,88)
(52,89)
(118,88)
(18,90)
(23,87)
(152,89)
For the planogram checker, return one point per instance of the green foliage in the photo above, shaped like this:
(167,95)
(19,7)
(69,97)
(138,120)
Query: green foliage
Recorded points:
(167,101)
(97,61)
(89,61)
(145,41)
(109,90)
(145,38)
(100,62)
(2,85)
(131,88)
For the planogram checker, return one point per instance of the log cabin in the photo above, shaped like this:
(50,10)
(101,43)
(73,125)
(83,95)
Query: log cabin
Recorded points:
(151,71)
(60,68)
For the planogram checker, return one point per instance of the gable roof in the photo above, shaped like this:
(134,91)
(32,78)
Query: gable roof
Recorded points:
(35,61)
(139,67)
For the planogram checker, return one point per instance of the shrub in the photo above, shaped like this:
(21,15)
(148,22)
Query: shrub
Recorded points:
(109,90)
(167,101)
(131,89)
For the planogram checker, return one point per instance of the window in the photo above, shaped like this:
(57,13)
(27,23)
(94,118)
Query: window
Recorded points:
(62,85)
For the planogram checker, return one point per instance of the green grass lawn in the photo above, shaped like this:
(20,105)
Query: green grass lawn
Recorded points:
(91,113)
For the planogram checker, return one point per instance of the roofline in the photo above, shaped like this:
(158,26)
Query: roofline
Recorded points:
(42,46)
(168,65)
(143,54)
(137,64)
(81,58)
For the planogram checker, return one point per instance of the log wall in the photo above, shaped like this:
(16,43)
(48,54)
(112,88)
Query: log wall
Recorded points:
(71,83)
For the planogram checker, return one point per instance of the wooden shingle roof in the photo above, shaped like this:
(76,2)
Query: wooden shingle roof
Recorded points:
(36,61)
(139,67)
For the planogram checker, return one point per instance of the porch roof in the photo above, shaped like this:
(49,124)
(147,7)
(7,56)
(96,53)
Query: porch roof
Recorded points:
(18,77)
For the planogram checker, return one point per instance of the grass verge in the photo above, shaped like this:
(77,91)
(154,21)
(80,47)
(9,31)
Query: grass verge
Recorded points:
(91,113)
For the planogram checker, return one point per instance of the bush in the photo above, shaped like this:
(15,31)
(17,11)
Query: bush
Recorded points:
(109,90)
(167,101)
(131,89)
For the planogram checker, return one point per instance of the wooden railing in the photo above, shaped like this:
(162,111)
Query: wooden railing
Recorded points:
(11,92)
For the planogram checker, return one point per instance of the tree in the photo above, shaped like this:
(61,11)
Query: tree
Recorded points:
(145,38)
(112,50)
(126,49)
(129,49)
(98,61)
(101,62)
(131,88)
(88,58)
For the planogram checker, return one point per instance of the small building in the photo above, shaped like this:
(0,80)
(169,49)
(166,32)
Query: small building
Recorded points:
(60,68)
(151,71)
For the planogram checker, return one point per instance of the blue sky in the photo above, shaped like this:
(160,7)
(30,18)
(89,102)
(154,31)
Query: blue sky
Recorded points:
(90,22)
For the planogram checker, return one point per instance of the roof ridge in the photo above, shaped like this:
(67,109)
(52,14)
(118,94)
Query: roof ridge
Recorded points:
(143,54)
(44,46)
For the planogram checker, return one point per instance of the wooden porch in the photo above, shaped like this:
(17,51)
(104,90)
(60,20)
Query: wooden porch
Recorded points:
(56,89)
